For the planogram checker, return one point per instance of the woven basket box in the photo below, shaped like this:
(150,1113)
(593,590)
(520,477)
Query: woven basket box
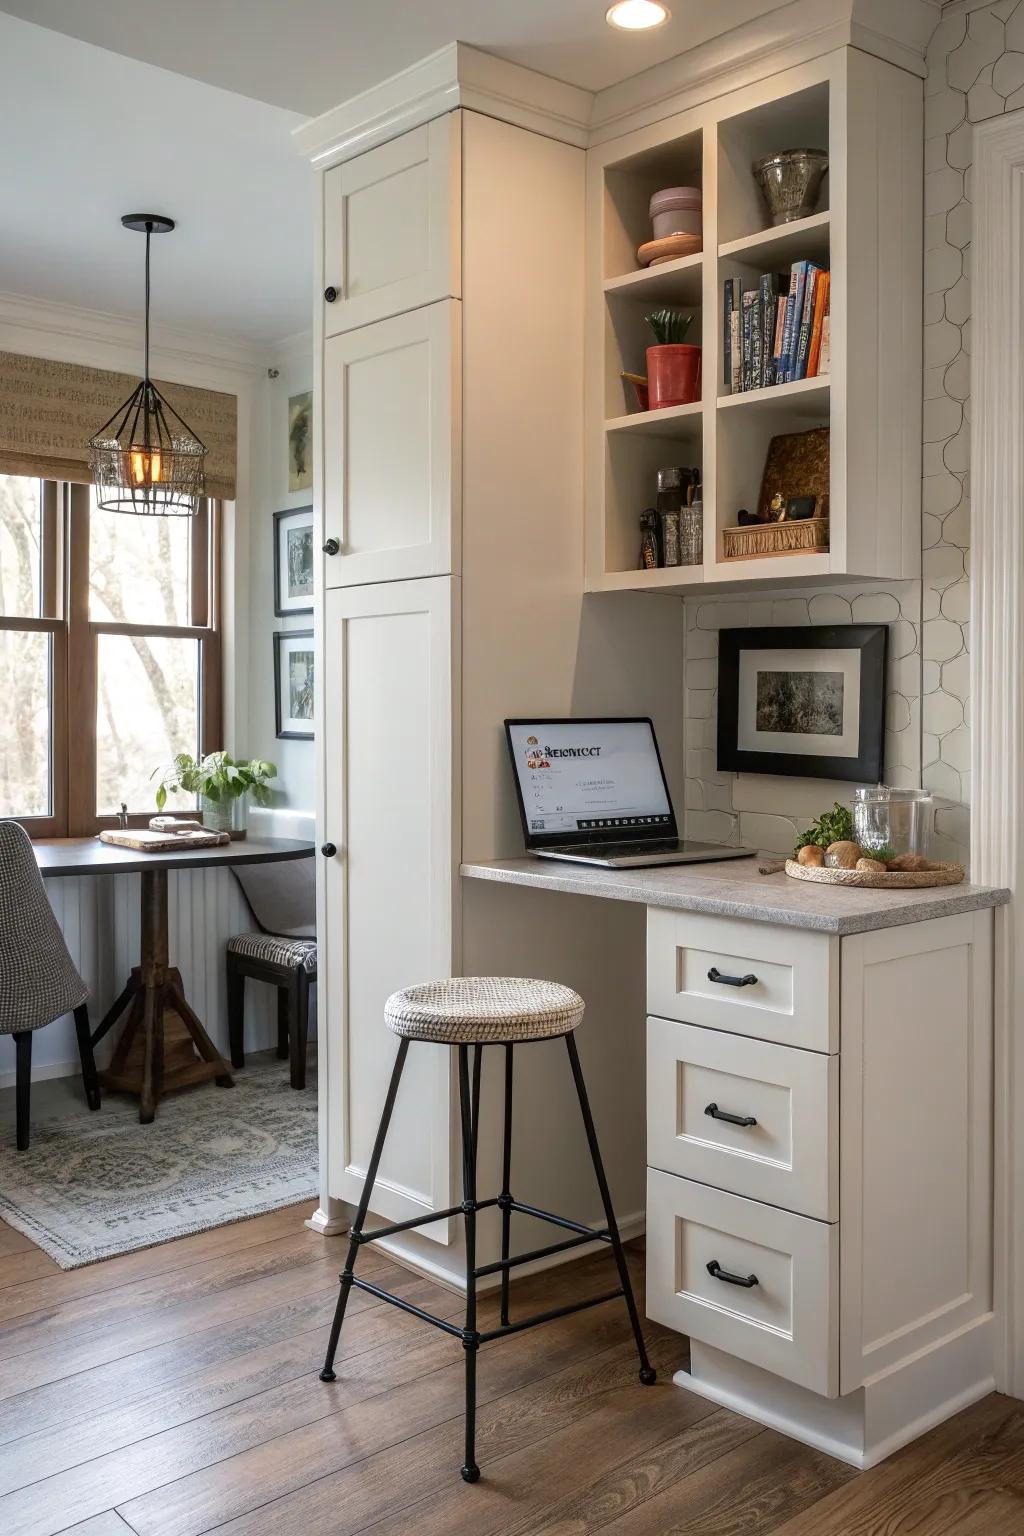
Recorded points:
(806,536)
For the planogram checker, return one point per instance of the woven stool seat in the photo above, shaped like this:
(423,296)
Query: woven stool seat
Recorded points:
(484,1010)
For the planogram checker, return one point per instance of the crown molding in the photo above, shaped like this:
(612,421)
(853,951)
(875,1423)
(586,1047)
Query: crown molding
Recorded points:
(460,76)
(97,339)
(455,76)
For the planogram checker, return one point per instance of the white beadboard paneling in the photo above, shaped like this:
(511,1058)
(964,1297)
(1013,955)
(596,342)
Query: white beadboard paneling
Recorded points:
(99,917)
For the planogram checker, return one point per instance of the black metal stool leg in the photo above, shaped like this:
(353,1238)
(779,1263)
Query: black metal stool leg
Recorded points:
(505,1198)
(327,1374)
(470,1112)
(647,1372)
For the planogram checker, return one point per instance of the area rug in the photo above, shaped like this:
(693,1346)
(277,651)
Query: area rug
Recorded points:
(93,1186)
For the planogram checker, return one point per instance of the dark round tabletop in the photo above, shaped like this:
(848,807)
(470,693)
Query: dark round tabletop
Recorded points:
(88,856)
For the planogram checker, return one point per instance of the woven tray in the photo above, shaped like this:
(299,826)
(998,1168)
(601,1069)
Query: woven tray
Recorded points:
(892,880)
(759,541)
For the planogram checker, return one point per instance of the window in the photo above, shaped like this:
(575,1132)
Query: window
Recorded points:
(109,653)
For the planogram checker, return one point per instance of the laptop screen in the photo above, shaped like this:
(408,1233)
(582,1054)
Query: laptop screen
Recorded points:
(588,780)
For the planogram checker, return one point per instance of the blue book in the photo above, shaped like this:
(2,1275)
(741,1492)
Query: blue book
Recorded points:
(803,343)
(787,329)
(749,306)
(797,284)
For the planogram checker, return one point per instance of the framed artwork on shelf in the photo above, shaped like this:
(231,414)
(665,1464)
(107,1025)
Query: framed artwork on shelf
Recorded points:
(293,562)
(807,702)
(293,683)
(300,441)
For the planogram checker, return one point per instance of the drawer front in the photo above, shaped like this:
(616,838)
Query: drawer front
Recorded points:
(785,1319)
(700,1082)
(391,227)
(748,978)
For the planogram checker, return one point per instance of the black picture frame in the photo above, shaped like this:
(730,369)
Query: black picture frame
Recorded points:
(869,640)
(281,612)
(281,635)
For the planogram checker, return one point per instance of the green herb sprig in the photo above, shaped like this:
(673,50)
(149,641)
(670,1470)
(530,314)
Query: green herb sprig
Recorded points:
(834,826)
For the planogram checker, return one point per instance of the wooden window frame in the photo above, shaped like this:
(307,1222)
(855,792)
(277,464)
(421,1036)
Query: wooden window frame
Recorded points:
(74,646)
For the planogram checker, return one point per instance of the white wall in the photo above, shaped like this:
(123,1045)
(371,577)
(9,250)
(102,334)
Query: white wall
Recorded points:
(295,789)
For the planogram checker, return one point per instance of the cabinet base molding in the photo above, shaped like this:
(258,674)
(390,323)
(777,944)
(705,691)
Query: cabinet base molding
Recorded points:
(447,1267)
(868,1425)
(329,1223)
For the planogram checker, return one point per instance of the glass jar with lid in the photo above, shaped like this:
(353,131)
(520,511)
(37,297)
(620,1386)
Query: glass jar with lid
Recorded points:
(887,819)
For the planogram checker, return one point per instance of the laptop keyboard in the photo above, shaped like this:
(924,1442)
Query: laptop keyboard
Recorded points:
(618,850)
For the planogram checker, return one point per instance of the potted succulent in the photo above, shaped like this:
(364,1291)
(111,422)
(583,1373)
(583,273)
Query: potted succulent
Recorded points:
(224,785)
(673,367)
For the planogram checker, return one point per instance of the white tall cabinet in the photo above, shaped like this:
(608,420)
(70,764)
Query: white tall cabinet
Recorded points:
(450,595)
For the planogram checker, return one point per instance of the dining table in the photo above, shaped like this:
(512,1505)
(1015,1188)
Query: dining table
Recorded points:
(163,1045)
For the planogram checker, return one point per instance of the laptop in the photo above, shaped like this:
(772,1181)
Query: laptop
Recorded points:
(594,791)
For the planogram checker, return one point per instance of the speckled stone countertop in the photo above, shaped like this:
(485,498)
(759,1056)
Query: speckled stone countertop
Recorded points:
(733,888)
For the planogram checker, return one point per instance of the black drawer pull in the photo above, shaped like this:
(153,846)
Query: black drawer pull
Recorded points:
(330,294)
(328,850)
(723,1114)
(331,546)
(747,1281)
(750,980)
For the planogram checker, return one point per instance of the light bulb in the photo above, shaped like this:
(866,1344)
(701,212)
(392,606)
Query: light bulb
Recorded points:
(146,466)
(637,15)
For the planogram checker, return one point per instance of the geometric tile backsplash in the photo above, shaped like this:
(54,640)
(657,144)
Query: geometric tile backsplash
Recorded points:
(975,71)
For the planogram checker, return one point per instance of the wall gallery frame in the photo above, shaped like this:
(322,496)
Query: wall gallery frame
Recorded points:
(293,684)
(293,562)
(807,702)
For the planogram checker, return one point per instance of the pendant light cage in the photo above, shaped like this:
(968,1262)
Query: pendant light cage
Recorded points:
(146,459)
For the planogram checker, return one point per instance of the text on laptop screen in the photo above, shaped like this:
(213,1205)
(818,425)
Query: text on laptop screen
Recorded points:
(589,776)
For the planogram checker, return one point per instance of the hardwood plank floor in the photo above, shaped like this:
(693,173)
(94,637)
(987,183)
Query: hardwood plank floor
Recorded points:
(174,1393)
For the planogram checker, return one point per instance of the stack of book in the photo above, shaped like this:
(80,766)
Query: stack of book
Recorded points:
(779,331)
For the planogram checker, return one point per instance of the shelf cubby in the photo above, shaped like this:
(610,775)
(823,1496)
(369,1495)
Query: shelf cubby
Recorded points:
(866,229)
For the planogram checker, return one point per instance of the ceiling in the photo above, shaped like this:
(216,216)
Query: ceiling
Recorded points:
(90,135)
(187,108)
(309,55)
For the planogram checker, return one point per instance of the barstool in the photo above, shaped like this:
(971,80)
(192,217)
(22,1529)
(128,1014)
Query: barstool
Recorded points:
(479,1011)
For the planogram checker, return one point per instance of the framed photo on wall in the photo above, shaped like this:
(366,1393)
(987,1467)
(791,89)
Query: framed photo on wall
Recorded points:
(293,683)
(300,441)
(808,702)
(293,562)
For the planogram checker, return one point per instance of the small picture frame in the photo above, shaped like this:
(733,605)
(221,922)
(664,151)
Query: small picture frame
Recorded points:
(293,562)
(300,441)
(807,702)
(293,684)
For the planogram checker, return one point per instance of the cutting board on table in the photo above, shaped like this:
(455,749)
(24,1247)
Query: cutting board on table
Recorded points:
(142,840)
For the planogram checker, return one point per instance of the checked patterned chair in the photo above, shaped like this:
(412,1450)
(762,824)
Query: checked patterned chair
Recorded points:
(282,899)
(38,979)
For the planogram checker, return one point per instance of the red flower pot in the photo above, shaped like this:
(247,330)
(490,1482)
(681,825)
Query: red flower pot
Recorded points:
(673,375)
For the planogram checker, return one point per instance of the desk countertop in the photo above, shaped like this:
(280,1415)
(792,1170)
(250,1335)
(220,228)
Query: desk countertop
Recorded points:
(88,856)
(733,888)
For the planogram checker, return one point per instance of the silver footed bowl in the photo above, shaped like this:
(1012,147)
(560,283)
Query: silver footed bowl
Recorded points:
(790,182)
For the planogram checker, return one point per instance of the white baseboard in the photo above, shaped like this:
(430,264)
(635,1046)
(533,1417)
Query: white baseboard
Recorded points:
(867,1425)
(40,1074)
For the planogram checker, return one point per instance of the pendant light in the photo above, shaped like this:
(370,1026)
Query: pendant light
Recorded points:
(145,459)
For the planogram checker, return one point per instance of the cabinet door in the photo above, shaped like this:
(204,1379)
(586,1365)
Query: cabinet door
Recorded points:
(392,227)
(390,741)
(391,448)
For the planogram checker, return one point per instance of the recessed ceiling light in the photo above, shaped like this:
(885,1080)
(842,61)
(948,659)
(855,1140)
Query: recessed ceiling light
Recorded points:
(637,15)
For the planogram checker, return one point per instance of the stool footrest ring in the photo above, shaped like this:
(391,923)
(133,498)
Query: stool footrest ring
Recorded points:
(556,1221)
(549,1317)
(541,1253)
(417,1221)
(407,1306)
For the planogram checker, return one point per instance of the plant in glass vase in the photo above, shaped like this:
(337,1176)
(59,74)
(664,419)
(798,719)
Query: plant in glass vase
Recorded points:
(224,785)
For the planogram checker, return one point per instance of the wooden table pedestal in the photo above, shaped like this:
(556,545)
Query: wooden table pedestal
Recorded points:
(157,1050)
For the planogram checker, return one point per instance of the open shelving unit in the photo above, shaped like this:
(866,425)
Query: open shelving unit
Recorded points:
(866,230)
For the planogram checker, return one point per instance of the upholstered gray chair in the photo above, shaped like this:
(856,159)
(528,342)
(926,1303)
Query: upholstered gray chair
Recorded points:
(282,899)
(38,979)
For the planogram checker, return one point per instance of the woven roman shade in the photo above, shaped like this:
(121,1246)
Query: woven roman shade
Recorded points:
(49,411)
